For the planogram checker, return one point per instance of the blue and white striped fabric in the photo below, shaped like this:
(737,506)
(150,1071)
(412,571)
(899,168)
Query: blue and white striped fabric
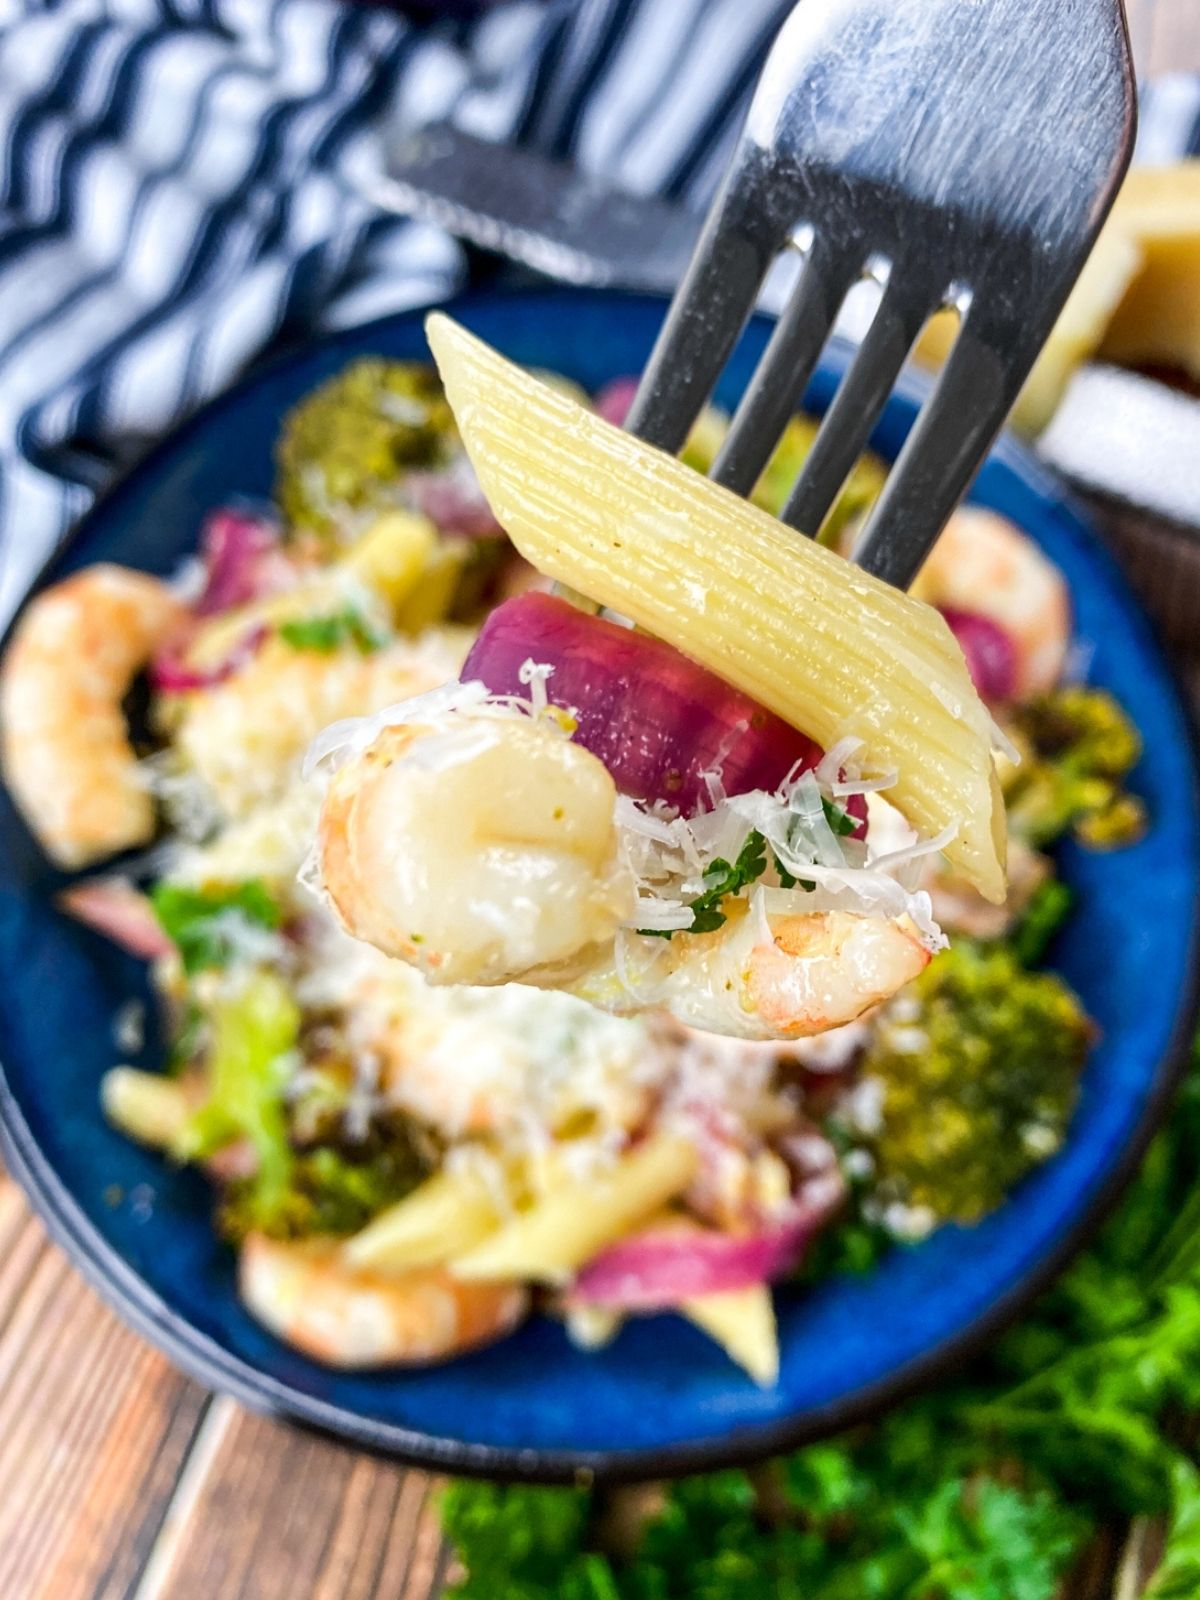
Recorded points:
(178,187)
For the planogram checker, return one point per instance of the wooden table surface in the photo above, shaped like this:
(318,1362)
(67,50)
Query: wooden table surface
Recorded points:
(122,1480)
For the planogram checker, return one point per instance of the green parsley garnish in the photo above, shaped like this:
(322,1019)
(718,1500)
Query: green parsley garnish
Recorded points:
(721,878)
(326,634)
(197,920)
(838,818)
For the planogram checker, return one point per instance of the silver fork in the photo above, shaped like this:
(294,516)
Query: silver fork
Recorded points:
(963,153)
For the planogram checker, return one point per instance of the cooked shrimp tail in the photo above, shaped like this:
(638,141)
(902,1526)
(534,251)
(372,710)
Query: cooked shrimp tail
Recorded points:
(65,745)
(354,1317)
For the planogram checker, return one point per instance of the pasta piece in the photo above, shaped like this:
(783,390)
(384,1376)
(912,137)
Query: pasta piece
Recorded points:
(559,1233)
(742,1321)
(446,1216)
(828,648)
(150,1108)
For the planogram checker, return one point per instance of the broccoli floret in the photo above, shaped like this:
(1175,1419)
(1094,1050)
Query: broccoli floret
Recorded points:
(781,471)
(255,1027)
(780,474)
(330,1191)
(977,1066)
(1078,746)
(344,446)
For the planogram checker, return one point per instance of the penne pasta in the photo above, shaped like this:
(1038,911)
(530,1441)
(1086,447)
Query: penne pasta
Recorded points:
(446,1216)
(831,650)
(559,1233)
(742,1321)
(150,1108)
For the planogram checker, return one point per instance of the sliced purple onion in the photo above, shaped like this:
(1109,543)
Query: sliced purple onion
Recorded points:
(661,724)
(989,649)
(170,672)
(664,1266)
(116,908)
(243,560)
(614,400)
(454,502)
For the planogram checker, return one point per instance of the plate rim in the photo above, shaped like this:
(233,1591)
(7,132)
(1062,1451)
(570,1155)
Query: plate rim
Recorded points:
(204,1360)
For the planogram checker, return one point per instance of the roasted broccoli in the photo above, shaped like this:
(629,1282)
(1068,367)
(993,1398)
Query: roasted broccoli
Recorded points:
(1077,748)
(344,447)
(780,474)
(255,1027)
(288,1191)
(330,1190)
(975,1070)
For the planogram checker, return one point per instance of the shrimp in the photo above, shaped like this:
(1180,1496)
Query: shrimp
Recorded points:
(351,1317)
(485,850)
(770,977)
(244,737)
(478,851)
(63,737)
(982,563)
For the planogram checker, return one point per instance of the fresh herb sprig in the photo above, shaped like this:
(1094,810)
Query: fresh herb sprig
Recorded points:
(723,878)
(328,633)
(1083,1416)
(202,923)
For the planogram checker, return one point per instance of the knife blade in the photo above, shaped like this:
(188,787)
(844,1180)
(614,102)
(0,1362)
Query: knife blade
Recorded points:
(548,216)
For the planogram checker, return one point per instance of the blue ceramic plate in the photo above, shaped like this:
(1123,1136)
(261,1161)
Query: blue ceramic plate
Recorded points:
(661,1399)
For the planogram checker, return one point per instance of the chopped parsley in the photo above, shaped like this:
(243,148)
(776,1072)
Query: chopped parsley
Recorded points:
(838,818)
(328,633)
(723,878)
(197,921)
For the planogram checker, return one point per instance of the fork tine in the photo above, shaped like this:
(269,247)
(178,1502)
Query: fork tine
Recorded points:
(786,365)
(855,408)
(709,311)
(974,393)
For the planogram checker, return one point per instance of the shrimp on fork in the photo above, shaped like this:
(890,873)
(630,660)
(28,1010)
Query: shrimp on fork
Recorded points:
(775,977)
(65,745)
(485,850)
(479,850)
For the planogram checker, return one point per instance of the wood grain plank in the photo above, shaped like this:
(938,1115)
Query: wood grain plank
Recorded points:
(94,1427)
(283,1515)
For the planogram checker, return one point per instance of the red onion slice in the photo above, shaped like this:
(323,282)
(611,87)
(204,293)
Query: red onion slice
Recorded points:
(614,400)
(454,502)
(990,650)
(656,720)
(660,1267)
(243,560)
(170,672)
(113,907)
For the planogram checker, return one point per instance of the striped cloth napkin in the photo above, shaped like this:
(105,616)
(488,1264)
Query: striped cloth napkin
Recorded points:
(179,186)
